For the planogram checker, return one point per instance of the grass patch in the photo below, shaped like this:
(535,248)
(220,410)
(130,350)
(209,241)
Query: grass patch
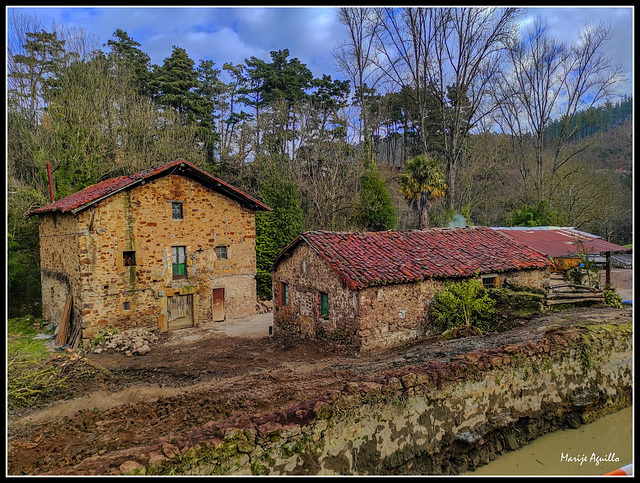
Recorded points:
(30,375)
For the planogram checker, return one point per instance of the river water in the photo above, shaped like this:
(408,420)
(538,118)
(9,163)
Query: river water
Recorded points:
(571,451)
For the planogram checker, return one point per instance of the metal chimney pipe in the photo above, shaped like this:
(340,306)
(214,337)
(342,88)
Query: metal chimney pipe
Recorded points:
(50,182)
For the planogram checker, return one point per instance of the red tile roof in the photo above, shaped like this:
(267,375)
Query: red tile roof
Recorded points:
(375,258)
(558,241)
(94,193)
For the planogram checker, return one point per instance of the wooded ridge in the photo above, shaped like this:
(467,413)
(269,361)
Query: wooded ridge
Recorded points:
(493,146)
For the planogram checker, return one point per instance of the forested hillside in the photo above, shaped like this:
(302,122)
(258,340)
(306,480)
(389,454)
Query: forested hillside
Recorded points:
(484,140)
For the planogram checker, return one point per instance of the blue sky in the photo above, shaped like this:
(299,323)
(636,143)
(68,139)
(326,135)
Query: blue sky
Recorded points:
(232,34)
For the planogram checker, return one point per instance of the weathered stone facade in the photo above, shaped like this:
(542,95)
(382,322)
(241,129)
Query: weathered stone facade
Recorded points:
(371,317)
(86,254)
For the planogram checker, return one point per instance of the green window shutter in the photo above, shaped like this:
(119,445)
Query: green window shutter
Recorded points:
(179,261)
(324,305)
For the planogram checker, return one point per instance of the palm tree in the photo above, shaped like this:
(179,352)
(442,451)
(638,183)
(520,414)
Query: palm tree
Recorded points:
(422,181)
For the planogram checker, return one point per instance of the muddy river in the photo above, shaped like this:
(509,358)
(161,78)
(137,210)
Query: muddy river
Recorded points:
(592,449)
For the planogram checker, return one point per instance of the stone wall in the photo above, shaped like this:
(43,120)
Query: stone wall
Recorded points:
(140,220)
(437,418)
(369,318)
(307,275)
(61,272)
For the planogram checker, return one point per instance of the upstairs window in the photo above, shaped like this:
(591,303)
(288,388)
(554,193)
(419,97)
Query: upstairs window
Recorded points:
(179,262)
(324,305)
(129,259)
(221,253)
(176,210)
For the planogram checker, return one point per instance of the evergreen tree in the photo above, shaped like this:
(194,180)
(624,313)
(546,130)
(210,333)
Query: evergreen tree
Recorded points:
(376,211)
(175,81)
(275,229)
(35,70)
(177,84)
(127,50)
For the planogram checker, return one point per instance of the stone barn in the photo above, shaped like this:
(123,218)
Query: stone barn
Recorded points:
(374,289)
(166,248)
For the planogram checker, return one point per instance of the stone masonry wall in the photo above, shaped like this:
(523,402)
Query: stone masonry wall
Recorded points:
(307,275)
(435,418)
(392,314)
(61,273)
(370,318)
(140,220)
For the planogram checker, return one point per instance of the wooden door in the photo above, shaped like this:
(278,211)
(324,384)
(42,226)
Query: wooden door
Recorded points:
(180,311)
(217,305)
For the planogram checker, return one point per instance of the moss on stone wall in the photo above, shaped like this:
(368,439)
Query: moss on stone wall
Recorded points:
(436,418)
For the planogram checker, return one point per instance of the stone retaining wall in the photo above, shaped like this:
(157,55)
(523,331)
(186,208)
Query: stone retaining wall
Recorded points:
(436,418)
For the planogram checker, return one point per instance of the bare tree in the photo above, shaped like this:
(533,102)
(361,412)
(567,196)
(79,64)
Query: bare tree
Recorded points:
(448,55)
(355,55)
(547,82)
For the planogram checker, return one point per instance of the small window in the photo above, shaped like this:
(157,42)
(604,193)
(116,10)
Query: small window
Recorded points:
(179,262)
(324,305)
(221,253)
(126,306)
(129,259)
(285,294)
(176,210)
(490,281)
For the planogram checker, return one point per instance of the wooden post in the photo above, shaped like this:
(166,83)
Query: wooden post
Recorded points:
(63,331)
(607,268)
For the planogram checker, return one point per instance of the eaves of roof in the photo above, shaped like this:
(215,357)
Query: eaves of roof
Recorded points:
(377,258)
(90,195)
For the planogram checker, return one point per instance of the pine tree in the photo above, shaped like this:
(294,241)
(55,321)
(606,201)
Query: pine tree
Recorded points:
(376,211)
(127,50)
(276,229)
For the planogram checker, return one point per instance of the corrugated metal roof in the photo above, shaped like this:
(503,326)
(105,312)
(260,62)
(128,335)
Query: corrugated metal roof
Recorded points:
(94,193)
(559,241)
(375,258)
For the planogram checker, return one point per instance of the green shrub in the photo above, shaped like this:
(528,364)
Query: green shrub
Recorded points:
(463,303)
(612,298)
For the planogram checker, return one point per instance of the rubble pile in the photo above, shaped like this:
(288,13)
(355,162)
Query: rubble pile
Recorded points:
(131,342)
(264,306)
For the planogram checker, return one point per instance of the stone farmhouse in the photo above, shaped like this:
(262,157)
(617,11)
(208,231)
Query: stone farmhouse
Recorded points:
(166,248)
(374,289)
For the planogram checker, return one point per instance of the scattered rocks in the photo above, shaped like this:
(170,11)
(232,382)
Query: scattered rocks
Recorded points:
(131,342)
(264,306)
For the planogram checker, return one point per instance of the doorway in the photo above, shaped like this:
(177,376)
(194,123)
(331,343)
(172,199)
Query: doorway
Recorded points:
(217,305)
(180,312)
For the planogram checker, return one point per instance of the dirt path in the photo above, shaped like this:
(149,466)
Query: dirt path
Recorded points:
(194,377)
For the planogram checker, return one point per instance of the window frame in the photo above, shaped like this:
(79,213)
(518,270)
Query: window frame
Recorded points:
(219,250)
(174,205)
(132,255)
(285,297)
(493,278)
(324,306)
(178,252)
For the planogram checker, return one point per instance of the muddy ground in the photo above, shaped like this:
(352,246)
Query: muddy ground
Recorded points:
(116,407)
